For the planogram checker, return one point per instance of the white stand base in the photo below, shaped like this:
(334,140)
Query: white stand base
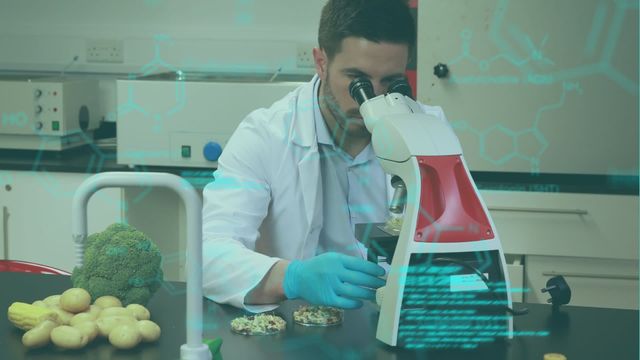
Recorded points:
(200,352)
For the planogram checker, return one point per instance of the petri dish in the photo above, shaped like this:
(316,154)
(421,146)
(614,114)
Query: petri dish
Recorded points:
(258,324)
(312,315)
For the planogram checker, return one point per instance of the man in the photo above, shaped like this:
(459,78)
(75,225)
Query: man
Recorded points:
(294,179)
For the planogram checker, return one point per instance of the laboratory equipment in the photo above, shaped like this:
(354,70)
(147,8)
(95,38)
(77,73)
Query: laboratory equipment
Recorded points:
(448,284)
(39,113)
(185,119)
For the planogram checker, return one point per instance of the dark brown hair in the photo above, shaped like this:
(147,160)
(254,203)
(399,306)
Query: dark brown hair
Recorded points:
(374,20)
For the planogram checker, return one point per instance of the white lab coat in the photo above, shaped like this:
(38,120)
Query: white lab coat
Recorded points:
(266,201)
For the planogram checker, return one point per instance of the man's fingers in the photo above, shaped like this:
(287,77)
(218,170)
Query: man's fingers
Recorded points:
(345,303)
(361,279)
(353,291)
(357,264)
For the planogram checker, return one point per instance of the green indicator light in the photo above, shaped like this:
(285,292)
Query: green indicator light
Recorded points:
(186,151)
(55,125)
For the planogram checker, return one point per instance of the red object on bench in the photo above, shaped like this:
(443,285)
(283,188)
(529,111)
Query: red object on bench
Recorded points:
(29,267)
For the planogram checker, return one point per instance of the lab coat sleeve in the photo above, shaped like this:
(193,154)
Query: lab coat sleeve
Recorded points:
(235,204)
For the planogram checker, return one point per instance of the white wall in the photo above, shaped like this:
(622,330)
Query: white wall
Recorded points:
(220,35)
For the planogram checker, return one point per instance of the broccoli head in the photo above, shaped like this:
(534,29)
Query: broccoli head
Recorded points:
(120,261)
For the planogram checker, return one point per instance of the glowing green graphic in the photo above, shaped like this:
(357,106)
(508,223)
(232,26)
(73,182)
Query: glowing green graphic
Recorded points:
(15,120)
(529,63)
(501,134)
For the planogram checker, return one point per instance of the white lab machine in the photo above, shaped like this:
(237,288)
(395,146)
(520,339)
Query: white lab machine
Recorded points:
(38,113)
(185,119)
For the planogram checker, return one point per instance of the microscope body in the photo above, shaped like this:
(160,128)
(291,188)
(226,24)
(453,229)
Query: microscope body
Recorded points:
(448,281)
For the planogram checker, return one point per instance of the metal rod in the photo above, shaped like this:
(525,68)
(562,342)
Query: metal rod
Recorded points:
(194,348)
(540,210)
(587,275)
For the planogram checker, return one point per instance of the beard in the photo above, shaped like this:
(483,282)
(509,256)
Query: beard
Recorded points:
(347,124)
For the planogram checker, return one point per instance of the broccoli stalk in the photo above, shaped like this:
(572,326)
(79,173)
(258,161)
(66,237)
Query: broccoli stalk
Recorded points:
(120,261)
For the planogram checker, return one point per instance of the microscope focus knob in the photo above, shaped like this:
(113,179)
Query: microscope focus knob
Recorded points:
(212,151)
(441,71)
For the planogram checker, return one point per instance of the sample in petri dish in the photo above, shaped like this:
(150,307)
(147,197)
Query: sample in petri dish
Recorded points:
(311,315)
(259,324)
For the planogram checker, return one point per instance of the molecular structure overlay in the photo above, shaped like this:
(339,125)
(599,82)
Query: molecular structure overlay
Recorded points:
(446,304)
(510,94)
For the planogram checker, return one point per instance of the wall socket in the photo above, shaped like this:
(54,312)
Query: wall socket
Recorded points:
(304,55)
(105,51)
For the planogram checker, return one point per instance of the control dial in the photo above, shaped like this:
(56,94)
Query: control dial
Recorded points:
(212,151)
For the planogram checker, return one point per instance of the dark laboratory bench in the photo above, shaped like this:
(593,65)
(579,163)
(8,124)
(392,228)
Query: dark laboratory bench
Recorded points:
(91,159)
(84,159)
(577,332)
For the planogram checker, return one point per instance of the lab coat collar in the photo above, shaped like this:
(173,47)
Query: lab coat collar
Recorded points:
(304,133)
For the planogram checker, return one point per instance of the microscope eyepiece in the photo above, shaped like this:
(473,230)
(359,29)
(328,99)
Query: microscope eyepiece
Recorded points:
(361,90)
(401,86)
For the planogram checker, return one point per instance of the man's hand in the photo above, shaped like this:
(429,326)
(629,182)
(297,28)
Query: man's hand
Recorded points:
(333,279)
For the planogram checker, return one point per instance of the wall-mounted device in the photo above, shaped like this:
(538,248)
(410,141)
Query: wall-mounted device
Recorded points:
(47,113)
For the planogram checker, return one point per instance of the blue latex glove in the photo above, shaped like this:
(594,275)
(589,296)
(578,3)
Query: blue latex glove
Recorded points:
(333,279)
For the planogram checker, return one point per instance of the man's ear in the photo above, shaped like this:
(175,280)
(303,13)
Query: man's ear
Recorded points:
(321,61)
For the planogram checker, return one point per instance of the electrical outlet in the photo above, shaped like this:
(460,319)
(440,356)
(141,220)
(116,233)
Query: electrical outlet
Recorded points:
(304,56)
(105,51)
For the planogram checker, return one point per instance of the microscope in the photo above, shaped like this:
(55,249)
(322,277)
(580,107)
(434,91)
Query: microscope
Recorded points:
(447,285)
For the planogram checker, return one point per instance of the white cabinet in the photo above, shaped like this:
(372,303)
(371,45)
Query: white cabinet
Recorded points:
(565,224)
(515,269)
(593,282)
(590,239)
(37,210)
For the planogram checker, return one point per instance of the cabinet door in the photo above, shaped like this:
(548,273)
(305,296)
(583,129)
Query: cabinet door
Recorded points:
(593,282)
(38,206)
(562,224)
(515,268)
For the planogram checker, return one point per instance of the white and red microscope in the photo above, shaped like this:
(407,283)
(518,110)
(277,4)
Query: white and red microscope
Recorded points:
(447,286)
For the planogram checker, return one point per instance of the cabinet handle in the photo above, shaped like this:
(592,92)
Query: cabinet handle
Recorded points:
(594,276)
(540,210)
(5,232)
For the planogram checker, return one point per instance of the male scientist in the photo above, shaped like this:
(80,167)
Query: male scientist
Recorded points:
(295,179)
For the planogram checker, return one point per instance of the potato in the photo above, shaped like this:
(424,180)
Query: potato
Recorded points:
(106,324)
(108,301)
(88,328)
(80,318)
(53,300)
(75,300)
(149,330)
(125,336)
(40,335)
(68,337)
(114,311)
(40,303)
(64,317)
(94,310)
(138,311)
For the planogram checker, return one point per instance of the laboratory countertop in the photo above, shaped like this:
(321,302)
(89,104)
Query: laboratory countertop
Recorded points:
(91,159)
(577,332)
